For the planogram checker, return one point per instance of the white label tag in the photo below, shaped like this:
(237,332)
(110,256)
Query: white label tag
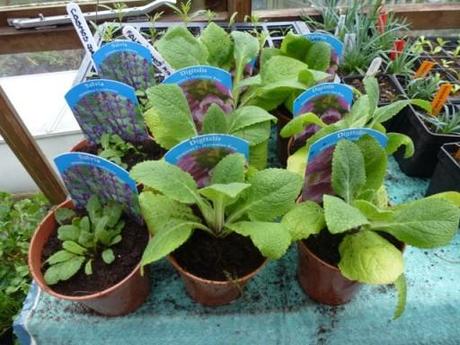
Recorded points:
(374,66)
(337,79)
(350,41)
(131,33)
(83,31)
(340,24)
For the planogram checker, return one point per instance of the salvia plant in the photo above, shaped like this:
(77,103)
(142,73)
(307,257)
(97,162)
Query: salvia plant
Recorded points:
(447,122)
(114,148)
(366,254)
(84,239)
(365,113)
(425,87)
(236,200)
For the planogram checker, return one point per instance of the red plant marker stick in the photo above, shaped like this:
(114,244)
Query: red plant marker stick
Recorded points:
(398,47)
(382,19)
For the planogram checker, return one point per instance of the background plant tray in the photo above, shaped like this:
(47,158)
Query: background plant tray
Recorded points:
(273,309)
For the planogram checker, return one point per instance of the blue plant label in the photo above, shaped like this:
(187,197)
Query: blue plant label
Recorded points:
(106,106)
(199,155)
(325,100)
(334,42)
(85,175)
(204,86)
(317,180)
(126,61)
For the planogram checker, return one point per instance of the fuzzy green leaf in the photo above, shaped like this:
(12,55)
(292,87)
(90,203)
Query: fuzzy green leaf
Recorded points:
(225,192)
(371,211)
(218,44)
(297,124)
(68,233)
(167,179)
(386,112)
(60,256)
(63,270)
(267,54)
(281,68)
(73,247)
(348,171)
(214,121)
(296,162)
(319,56)
(272,194)
(246,48)
(258,155)
(425,223)
(371,86)
(272,239)
(157,210)
(304,220)
(375,162)
(230,169)
(359,114)
(340,216)
(254,134)
(396,140)
(247,116)
(64,215)
(295,46)
(452,197)
(107,256)
(169,119)
(181,49)
(369,258)
(401,288)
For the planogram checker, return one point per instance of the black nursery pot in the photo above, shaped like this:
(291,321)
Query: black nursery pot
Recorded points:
(446,176)
(7,337)
(427,145)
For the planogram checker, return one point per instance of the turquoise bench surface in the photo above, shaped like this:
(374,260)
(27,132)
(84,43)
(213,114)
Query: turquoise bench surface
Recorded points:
(273,308)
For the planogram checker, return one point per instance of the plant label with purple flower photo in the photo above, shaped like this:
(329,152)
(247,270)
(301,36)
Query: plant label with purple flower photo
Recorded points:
(204,86)
(334,42)
(199,155)
(126,61)
(319,160)
(85,175)
(105,106)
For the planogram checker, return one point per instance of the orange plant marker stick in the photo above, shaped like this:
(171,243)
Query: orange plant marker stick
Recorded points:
(424,69)
(457,155)
(440,98)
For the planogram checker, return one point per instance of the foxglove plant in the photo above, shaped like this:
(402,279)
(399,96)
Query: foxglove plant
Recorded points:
(234,202)
(351,212)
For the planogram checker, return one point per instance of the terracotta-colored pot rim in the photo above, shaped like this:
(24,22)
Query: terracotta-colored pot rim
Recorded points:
(49,290)
(178,267)
(305,247)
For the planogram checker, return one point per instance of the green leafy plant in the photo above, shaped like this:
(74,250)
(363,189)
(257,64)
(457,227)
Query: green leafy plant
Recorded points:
(18,220)
(114,148)
(183,11)
(423,44)
(152,31)
(364,113)
(447,122)
(84,239)
(425,87)
(366,253)
(235,201)
(329,14)
(403,63)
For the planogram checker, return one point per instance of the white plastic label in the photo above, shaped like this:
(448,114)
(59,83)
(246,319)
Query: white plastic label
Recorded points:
(350,41)
(135,36)
(83,31)
(374,66)
(340,24)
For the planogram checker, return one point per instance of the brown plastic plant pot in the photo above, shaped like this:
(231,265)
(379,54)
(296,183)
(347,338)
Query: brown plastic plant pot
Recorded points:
(321,281)
(212,292)
(120,299)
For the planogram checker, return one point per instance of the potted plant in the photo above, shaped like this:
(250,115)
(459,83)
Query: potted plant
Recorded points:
(446,176)
(356,238)
(428,133)
(91,257)
(219,236)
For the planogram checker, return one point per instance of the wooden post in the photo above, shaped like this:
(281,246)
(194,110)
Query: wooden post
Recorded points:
(243,7)
(21,142)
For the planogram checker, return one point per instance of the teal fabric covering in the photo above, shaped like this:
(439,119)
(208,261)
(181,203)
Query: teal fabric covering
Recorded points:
(274,309)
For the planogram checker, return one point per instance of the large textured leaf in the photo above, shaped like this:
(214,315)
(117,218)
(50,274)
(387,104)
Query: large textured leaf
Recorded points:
(167,179)
(396,140)
(452,197)
(254,134)
(219,45)
(258,155)
(272,194)
(63,270)
(297,124)
(426,223)
(297,162)
(371,86)
(386,112)
(60,256)
(181,49)
(169,119)
(318,57)
(401,288)
(280,68)
(340,216)
(224,192)
(229,170)
(247,116)
(267,54)
(215,121)
(369,258)
(246,48)
(174,233)
(371,211)
(375,161)
(295,46)
(272,239)
(158,209)
(359,113)
(348,170)
(304,220)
